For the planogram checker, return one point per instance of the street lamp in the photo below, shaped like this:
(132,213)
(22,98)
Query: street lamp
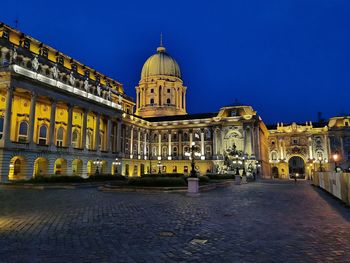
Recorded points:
(335,158)
(192,155)
(159,164)
(98,163)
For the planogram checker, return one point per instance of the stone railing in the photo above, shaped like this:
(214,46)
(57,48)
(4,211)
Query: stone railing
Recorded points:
(337,184)
(25,63)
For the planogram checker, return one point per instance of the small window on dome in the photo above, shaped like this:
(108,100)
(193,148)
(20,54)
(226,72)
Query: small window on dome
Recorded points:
(168,90)
(152,101)
(152,90)
(168,101)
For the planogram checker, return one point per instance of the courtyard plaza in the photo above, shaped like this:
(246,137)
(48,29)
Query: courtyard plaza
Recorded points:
(264,221)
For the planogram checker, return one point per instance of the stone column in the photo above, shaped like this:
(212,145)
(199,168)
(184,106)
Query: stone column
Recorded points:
(169,145)
(342,149)
(202,143)
(83,139)
(180,146)
(145,144)
(214,142)
(252,140)
(132,142)
(310,148)
(52,122)
(109,132)
(327,146)
(222,141)
(138,142)
(137,100)
(281,148)
(119,135)
(191,138)
(159,144)
(97,132)
(69,127)
(8,114)
(32,118)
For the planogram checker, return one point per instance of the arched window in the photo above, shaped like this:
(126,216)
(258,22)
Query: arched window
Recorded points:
(165,151)
(42,135)
(17,167)
(1,127)
(75,139)
(101,140)
(152,102)
(154,151)
(168,101)
(208,150)
(207,135)
(89,140)
(175,151)
(185,136)
(59,137)
(274,156)
(23,132)
(155,137)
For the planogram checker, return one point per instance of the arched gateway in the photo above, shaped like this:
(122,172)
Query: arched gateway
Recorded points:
(296,166)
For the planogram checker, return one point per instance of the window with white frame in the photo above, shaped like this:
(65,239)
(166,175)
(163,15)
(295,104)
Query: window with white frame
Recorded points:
(75,139)
(59,137)
(42,135)
(89,140)
(23,131)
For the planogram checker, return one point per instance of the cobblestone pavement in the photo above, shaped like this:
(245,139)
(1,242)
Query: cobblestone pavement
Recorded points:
(258,222)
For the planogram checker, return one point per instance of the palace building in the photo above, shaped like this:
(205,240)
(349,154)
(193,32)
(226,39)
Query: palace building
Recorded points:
(61,117)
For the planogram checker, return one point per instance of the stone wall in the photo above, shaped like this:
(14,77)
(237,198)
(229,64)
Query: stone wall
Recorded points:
(336,184)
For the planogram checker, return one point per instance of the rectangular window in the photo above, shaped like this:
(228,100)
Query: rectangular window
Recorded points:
(5,34)
(60,60)
(168,90)
(152,90)
(45,52)
(26,44)
(185,169)
(74,67)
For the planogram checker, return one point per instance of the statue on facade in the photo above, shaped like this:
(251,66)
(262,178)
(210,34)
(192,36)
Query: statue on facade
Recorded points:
(35,63)
(55,72)
(120,99)
(71,79)
(98,90)
(109,97)
(86,85)
(14,55)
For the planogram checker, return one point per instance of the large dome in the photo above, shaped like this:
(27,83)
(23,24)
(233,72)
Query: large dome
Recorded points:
(160,63)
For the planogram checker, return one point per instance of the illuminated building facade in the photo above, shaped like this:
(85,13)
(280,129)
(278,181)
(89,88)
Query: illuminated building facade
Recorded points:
(58,116)
(304,148)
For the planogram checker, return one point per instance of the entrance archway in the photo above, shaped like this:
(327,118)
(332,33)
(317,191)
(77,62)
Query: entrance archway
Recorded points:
(77,167)
(296,166)
(60,167)
(40,166)
(17,168)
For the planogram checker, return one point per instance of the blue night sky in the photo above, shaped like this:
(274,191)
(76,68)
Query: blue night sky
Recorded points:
(288,59)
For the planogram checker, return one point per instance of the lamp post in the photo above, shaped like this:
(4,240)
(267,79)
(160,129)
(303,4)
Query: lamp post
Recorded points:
(97,163)
(192,154)
(193,185)
(335,158)
(159,164)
